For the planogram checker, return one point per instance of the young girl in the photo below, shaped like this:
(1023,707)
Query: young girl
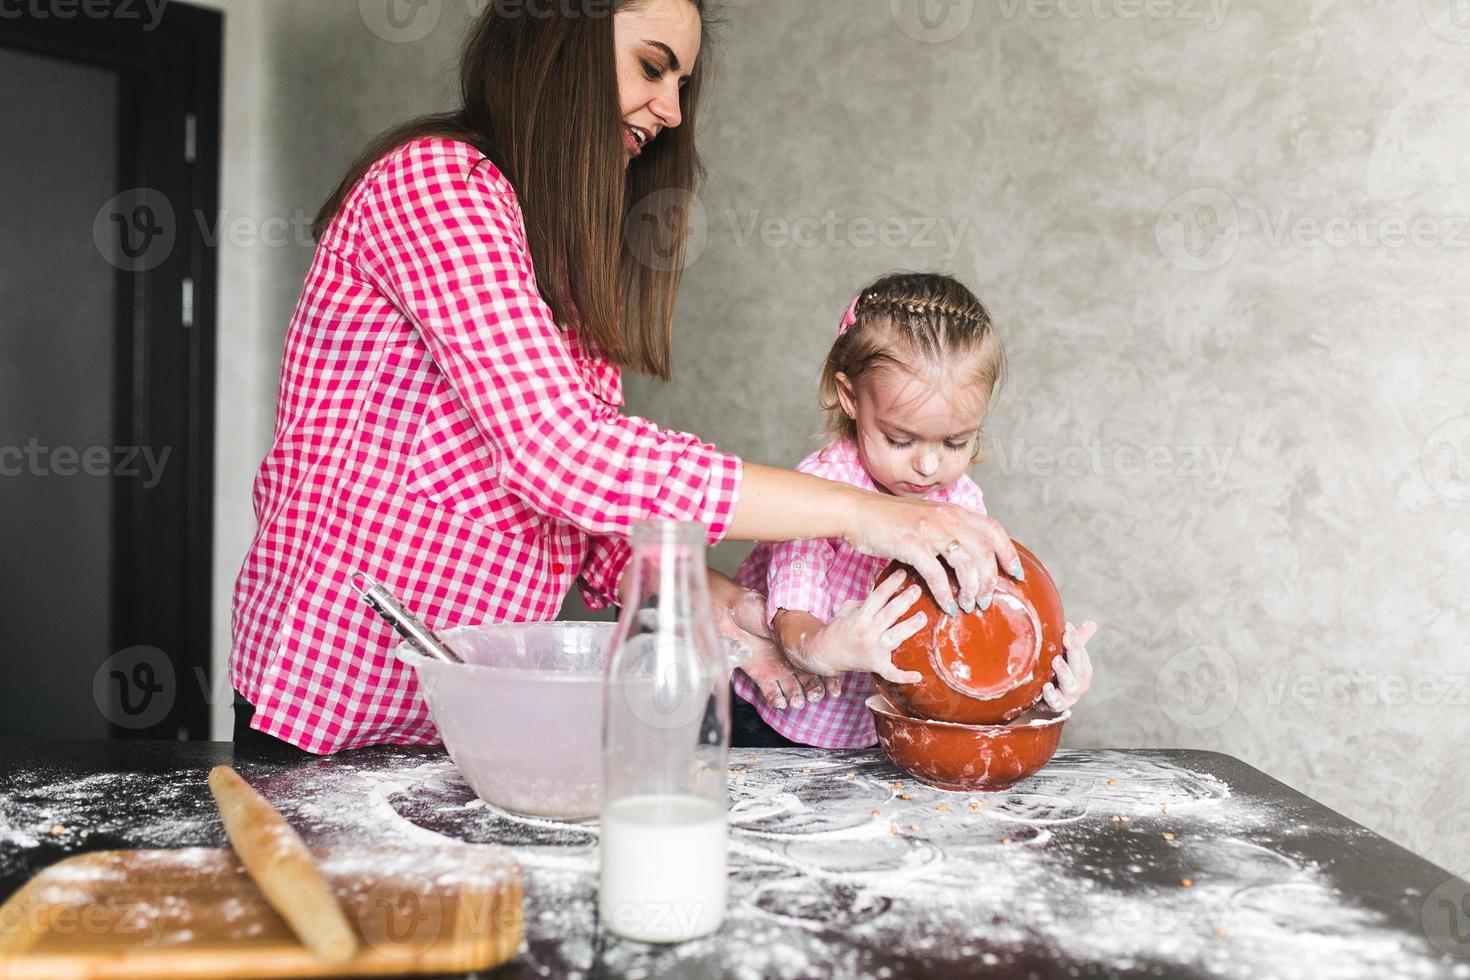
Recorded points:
(906,388)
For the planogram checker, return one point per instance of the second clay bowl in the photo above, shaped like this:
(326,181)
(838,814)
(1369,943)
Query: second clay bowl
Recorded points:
(967,758)
(981,668)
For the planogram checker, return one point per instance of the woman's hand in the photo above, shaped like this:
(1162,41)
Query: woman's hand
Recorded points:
(781,684)
(862,636)
(740,614)
(778,505)
(921,533)
(1074,672)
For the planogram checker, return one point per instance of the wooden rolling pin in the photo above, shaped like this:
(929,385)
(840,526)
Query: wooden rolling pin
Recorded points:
(282,868)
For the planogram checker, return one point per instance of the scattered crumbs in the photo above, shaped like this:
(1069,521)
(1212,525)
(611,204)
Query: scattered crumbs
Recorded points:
(1221,932)
(807,771)
(752,759)
(877,813)
(1168,836)
(914,827)
(943,808)
(1187,882)
(976,805)
(1112,782)
(1164,809)
(57,830)
(850,775)
(905,796)
(1005,840)
(893,830)
(898,784)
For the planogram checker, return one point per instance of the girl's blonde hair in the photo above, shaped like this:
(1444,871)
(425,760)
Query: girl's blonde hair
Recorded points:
(905,317)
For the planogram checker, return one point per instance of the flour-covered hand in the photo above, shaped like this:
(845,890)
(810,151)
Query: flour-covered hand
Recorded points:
(740,614)
(929,536)
(863,635)
(781,684)
(1074,671)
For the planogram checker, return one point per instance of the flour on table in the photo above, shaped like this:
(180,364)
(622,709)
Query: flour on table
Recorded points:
(835,873)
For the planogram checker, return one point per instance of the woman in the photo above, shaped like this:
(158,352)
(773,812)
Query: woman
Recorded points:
(448,417)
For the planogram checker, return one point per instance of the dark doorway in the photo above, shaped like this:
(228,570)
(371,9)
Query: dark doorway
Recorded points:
(109,153)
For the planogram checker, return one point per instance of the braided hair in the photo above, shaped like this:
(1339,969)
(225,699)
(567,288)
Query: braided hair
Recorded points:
(906,318)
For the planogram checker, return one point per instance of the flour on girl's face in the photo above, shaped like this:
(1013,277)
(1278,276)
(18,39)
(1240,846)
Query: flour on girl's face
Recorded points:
(916,430)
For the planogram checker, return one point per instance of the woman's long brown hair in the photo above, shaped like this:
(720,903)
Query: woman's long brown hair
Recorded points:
(539,98)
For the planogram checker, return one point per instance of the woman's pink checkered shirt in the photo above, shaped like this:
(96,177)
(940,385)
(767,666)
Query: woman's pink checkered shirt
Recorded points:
(818,577)
(439,432)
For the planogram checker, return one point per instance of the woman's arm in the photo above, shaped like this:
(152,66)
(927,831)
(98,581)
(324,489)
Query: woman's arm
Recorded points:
(437,229)
(779,505)
(440,233)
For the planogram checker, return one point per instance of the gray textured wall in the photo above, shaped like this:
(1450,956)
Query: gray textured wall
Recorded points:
(1226,244)
(1240,444)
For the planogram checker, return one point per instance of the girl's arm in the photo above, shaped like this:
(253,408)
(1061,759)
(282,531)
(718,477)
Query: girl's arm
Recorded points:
(862,636)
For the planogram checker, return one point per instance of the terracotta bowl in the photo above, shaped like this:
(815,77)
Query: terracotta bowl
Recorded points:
(981,668)
(967,758)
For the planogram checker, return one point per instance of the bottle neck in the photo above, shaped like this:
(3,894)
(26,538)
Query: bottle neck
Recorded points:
(668,569)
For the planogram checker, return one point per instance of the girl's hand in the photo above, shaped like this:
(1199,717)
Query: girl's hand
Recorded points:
(862,636)
(1074,672)
(926,535)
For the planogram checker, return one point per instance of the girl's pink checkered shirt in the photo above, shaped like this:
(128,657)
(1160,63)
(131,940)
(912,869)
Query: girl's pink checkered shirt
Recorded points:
(818,577)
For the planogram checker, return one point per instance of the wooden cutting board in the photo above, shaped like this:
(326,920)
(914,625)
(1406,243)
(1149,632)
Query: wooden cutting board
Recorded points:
(195,912)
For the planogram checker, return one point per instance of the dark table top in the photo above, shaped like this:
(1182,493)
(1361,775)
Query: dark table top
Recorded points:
(1107,863)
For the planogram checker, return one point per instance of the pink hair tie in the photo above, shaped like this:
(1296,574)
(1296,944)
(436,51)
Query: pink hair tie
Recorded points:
(850,317)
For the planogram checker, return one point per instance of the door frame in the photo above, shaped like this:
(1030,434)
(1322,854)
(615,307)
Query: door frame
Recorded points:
(169,126)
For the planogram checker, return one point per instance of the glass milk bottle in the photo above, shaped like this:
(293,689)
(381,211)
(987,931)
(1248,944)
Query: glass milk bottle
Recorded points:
(666,736)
